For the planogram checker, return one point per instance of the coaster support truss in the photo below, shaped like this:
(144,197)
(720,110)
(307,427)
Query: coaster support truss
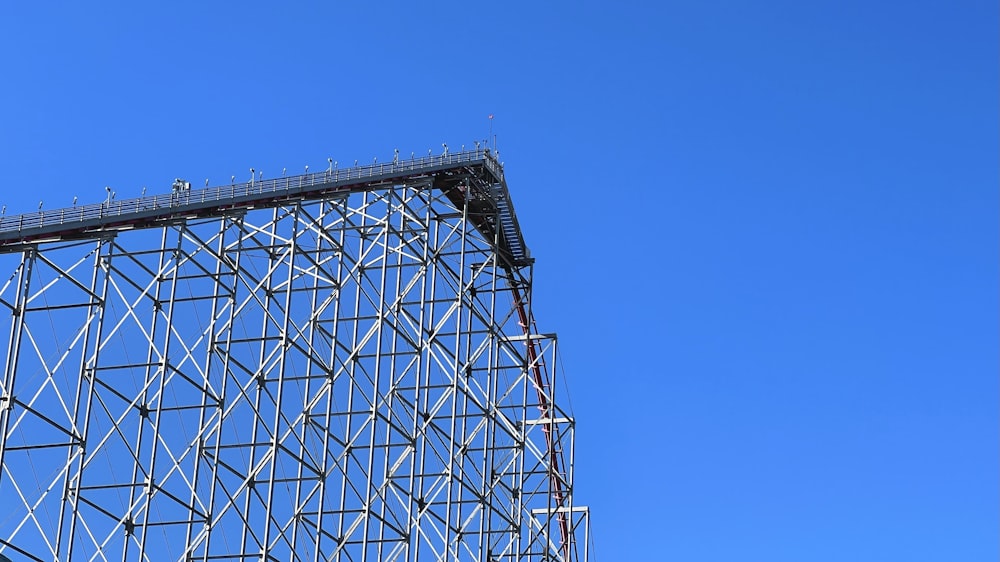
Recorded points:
(349,370)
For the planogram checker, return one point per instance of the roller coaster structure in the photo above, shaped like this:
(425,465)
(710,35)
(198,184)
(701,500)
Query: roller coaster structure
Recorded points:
(341,365)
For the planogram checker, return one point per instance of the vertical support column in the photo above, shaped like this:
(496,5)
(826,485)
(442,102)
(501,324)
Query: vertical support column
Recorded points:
(216,483)
(490,478)
(352,370)
(81,410)
(372,492)
(325,467)
(283,343)
(267,284)
(89,372)
(154,367)
(396,208)
(210,413)
(424,328)
(14,348)
(302,494)
(166,373)
(453,513)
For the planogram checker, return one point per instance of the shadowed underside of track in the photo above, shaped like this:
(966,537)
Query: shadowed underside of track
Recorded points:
(472,179)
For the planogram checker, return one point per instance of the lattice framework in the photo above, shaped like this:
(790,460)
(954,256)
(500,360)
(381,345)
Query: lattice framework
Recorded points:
(355,376)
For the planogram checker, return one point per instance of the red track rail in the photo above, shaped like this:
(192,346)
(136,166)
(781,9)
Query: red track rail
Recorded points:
(545,408)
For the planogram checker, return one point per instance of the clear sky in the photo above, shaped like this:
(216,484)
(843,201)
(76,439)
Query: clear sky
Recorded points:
(766,232)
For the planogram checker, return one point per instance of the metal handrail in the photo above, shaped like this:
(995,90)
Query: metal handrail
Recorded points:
(110,210)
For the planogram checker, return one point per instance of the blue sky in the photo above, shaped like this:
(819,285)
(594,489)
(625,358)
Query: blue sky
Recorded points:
(766,232)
